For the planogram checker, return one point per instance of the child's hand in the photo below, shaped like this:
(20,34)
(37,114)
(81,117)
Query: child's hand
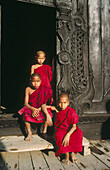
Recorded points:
(54,108)
(66,140)
(35,112)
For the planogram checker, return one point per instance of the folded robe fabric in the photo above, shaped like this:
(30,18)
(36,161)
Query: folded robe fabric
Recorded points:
(64,121)
(40,96)
(45,73)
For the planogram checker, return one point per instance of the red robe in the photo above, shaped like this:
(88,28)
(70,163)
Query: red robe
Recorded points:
(40,96)
(65,119)
(45,73)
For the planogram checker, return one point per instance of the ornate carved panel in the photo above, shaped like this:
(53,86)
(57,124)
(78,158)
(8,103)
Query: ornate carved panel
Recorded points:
(72,49)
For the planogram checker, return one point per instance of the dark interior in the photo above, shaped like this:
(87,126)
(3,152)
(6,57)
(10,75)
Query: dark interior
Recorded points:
(26,28)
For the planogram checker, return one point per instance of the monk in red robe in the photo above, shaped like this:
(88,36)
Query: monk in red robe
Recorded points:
(44,70)
(36,98)
(68,135)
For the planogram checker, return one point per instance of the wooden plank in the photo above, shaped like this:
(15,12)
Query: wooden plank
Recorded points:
(100,146)
(104,143)
(52,161)
(83,163)
(96,163)
(38,160)
(25,161)
(100,155)
(18,144)
(11,161)
(2,159)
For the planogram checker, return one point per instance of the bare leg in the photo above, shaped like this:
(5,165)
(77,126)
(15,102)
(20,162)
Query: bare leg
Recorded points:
(48,117)
(45,128)
(29,136)
(66,160)
(73,158)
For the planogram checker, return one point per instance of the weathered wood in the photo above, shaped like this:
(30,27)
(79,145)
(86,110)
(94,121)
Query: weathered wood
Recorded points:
(105,17)
(96,163)
(83,163)
(11,161)
(100,146)
(38,160)
(18,144)
(95,47)
(25,161)
(100,155)
(53,162)
(105,143)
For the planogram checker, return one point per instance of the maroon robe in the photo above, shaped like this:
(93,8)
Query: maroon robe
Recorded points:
(64,121)
(45,73)
(40,96)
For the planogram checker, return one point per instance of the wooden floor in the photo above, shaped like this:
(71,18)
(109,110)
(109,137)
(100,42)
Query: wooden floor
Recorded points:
(46,160)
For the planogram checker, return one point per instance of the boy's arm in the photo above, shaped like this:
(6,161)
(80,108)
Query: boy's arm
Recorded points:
(35,112)
(67,136)
(53,108)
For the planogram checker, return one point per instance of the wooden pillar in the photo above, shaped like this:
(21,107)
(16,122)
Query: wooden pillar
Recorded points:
(95,47)
(105,17)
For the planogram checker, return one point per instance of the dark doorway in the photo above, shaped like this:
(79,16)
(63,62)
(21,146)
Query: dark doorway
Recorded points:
(26,28)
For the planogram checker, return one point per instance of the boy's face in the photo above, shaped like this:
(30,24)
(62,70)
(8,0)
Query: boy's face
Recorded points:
(36,81)
(63,102)
(41,58)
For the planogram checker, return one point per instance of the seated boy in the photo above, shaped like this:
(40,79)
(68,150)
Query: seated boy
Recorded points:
(36,97)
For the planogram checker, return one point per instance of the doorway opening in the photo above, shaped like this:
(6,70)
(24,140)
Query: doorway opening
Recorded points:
(26,28)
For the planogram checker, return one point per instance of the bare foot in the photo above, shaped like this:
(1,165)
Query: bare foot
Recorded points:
(65,161)
(73,159)
(28,138)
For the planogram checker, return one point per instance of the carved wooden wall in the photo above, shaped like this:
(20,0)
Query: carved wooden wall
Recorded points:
(83,49)
(74,73)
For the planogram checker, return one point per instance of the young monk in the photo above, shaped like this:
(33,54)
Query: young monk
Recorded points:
(44,70)
(36,97)
(68,135)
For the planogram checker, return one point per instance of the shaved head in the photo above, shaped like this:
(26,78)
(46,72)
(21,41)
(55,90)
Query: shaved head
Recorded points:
(40,52)
(64,95)
(35,75)
(63,101)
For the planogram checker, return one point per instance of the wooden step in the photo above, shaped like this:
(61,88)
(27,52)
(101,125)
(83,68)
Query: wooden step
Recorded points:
(18,144)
